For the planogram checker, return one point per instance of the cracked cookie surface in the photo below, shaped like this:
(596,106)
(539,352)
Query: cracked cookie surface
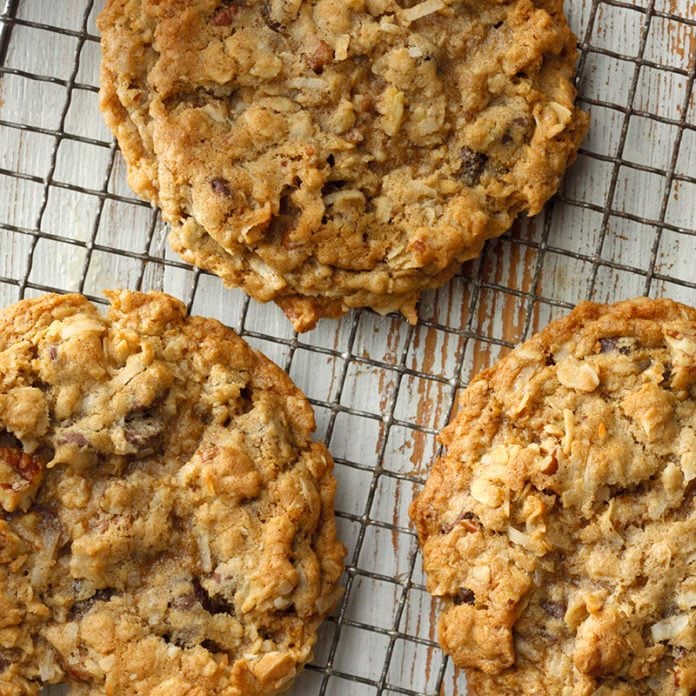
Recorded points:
(166,522)
(328,154)
(559,528)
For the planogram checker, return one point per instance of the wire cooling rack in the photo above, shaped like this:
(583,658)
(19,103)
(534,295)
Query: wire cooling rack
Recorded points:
(624,224)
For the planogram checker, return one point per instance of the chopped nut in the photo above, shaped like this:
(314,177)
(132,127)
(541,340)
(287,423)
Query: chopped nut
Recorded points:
(20,477)
(486,492)
(391,105)
(321,55)
(549,465)
(341,48)
(578,375)
(225,16)
(553,119)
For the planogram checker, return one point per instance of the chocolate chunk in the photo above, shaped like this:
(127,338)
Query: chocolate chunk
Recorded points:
(221,186)
(143,431)
(464,596)
(472,166)
(554,609)
(213,604)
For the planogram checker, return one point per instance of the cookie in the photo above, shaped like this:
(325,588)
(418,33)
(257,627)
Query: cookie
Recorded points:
(166,523)
(328,154)
(559,528)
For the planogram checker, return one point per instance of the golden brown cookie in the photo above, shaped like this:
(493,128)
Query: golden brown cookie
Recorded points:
(166,522)
(559,528)
(328,154)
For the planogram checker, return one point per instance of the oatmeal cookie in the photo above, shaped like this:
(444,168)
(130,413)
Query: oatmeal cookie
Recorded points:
(328,154)
(166,523)
(559,528)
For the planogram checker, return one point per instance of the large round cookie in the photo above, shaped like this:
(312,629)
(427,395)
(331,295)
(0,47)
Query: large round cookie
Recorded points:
(559,529)
(166,523)
(329,154)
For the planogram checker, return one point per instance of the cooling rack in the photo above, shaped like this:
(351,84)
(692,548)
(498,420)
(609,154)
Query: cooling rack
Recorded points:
(623,224)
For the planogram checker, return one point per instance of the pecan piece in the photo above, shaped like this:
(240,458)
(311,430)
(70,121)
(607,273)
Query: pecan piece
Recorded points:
(321,55)
(225,16)
(20,477)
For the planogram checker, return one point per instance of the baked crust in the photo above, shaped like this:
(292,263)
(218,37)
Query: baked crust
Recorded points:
(559,528)
(329,154)
(166,522)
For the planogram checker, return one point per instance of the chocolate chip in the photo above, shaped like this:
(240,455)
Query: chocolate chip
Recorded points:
(213,604)
(212,646)
(609,344)
(81,607)
(331,160)
(464,596)
(52,352)
(221,186)
(667,373)
(272,21)
(332,186)
(472,165)
(554,609)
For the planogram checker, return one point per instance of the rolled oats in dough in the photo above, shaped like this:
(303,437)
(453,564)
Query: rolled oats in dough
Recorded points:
(328,154)
(166,522)
(559,528)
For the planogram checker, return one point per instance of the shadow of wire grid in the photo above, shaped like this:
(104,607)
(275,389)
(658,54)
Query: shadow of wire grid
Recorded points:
(623,224)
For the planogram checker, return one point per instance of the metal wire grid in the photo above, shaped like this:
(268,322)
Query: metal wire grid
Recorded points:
(632,230)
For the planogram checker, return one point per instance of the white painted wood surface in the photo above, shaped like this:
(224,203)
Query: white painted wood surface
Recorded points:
(381,389)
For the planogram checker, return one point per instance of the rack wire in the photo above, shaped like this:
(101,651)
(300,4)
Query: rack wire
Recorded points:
(623,224)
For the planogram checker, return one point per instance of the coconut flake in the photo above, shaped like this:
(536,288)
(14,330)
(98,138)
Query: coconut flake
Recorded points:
(422,10)
(519,538)
(203,542)
(669,628)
